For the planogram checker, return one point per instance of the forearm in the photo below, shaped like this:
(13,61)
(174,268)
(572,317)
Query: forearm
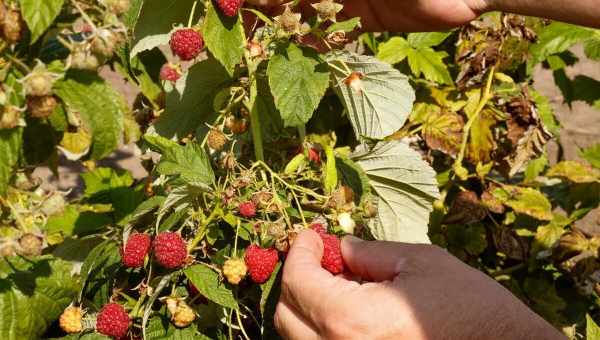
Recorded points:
(582,12)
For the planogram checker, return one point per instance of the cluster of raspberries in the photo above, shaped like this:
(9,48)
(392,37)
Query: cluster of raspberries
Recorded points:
(169,249)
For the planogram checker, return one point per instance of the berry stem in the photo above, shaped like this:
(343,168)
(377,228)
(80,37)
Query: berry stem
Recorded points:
(239,320)
(191,18)
(486,95)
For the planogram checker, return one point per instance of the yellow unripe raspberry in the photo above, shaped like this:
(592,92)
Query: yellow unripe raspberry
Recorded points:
(234,270)
(182,315)
(70,320)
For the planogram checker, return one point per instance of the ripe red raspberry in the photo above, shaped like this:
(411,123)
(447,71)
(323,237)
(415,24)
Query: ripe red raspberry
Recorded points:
(170,72)
(230,7)
(112,320)
(313,156)
(247,209)
(135,250)
(332,259)
(170,250)
(319,228)
(260,262)
(186,43)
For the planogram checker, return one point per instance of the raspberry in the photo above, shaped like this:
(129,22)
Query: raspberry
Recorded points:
(117,6)
(236,125)
(41,107)
(169,250)
(70,320)
(260,262)
(170,72)
(182,314)
(135,250)
(112,320)
(186,43)
(83,60)
(247,209)
(30,245)
(318,228)
(9,117)
(313,156)
(216,140)
(332,254)
(234,270)
(12,26)
(230,7)
(104,43)
(39,82)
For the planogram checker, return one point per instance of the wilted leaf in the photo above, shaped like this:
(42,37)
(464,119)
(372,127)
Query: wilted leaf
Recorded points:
(481,139)
(406,188)
(472,238)
(547,235)
(298,80)
(466,209)
(526,201)
(592,331)
(443,131)
(378,97)
(575,172)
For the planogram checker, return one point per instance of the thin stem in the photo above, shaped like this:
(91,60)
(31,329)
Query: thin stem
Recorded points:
(191,18)
(289,186)
(239,320)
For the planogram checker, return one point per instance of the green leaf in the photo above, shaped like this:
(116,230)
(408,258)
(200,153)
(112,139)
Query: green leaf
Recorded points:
(268,288)
(100,106)
(574,171)
(102,180)
(546,113)
(547,235)
(592,331)
(39,15)
(472,238)
(209,285)
(406,188)
(378,97)
(98,270)
(33,294)
(298,80)
(10,146)
(159,16)
(224,37)
(354,176)
(527,201)
(130,18)
(185,113)
(76,221)
(592,155)
(427,39)
(271,124)
(161,328)
(431,64)
(189,162)
(555,38)
(149,42)
(394,50)
(344,26)
(535,168)
(592,46)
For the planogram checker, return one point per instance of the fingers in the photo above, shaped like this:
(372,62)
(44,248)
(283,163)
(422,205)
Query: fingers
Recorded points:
(291,325)
(377,260)
(304,281)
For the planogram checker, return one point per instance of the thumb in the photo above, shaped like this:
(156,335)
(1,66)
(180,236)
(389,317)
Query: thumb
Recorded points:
(376,260)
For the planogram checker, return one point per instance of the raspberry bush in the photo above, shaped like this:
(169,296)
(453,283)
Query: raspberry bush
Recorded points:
(253,126)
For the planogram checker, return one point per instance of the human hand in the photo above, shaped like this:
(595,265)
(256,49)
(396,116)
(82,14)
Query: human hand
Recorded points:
(404,15)
(407,292)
